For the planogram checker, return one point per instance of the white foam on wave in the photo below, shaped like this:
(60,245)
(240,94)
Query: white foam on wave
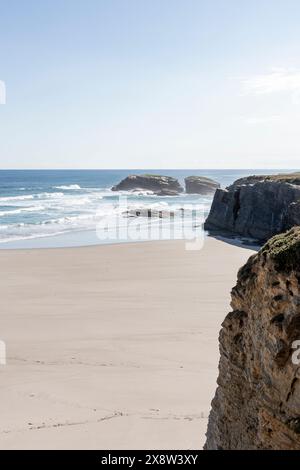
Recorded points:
(71,211)
(22,209)
(29,197)
(48,228)
(15,238)
(49,195)
(68,187)
(16,198)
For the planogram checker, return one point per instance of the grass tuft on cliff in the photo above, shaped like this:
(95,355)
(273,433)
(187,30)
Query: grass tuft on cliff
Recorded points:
(292,178)
(284,249)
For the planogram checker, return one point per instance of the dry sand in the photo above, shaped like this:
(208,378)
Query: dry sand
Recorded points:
(112,347)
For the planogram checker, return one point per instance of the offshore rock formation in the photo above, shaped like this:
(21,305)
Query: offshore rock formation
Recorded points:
(257,402)
(161,185)
(257,207)
(200,185)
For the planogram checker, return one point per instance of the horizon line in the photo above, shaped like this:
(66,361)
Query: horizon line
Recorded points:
(149,168)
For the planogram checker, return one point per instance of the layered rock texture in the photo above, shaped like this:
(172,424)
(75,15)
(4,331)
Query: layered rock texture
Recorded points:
(257,402)
(160,185)
(200,185)
(257,207)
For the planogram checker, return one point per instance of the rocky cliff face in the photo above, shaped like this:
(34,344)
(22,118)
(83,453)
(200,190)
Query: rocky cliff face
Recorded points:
(257,206)
(257,402)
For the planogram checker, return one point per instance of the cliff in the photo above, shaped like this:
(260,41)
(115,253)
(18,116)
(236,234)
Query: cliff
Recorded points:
(257,402)
(257,207)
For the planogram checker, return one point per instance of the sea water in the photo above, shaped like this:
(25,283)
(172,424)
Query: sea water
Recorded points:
(47,208)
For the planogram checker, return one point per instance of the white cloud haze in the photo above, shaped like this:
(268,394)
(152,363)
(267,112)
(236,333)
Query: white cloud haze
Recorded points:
(263,119)
(2,92)
(276,81)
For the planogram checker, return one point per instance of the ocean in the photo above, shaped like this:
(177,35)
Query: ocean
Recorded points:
(53,208)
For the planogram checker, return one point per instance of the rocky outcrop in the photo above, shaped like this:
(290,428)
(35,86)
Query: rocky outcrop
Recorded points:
(257,206)
(161,185)
(257,402)
(149,213)
(200,185)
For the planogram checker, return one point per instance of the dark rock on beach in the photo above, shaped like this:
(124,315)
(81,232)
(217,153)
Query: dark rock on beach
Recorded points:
(158,184)
(257,402)
(200,185)
(150,213)
(257,206)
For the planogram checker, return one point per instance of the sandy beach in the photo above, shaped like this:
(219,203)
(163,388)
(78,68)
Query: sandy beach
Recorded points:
(112,347)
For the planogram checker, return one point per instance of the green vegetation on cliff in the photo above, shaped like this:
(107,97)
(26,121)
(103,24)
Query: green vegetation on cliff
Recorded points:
(284,249)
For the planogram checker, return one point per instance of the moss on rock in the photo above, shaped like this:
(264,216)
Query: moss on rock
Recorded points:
(284,249)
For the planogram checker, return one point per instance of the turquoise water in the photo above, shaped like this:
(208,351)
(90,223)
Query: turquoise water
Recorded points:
(62,207)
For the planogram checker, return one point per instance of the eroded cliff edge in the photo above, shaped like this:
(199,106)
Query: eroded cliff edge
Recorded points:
(257,206)
(257,402)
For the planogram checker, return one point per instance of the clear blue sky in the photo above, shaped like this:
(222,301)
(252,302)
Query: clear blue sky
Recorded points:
(153,84)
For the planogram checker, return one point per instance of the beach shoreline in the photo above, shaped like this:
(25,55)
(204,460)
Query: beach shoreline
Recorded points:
(112,346)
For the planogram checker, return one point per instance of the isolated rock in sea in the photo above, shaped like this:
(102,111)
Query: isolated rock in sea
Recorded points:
(164,185)
(257,402)
(257,206)
(200,185)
